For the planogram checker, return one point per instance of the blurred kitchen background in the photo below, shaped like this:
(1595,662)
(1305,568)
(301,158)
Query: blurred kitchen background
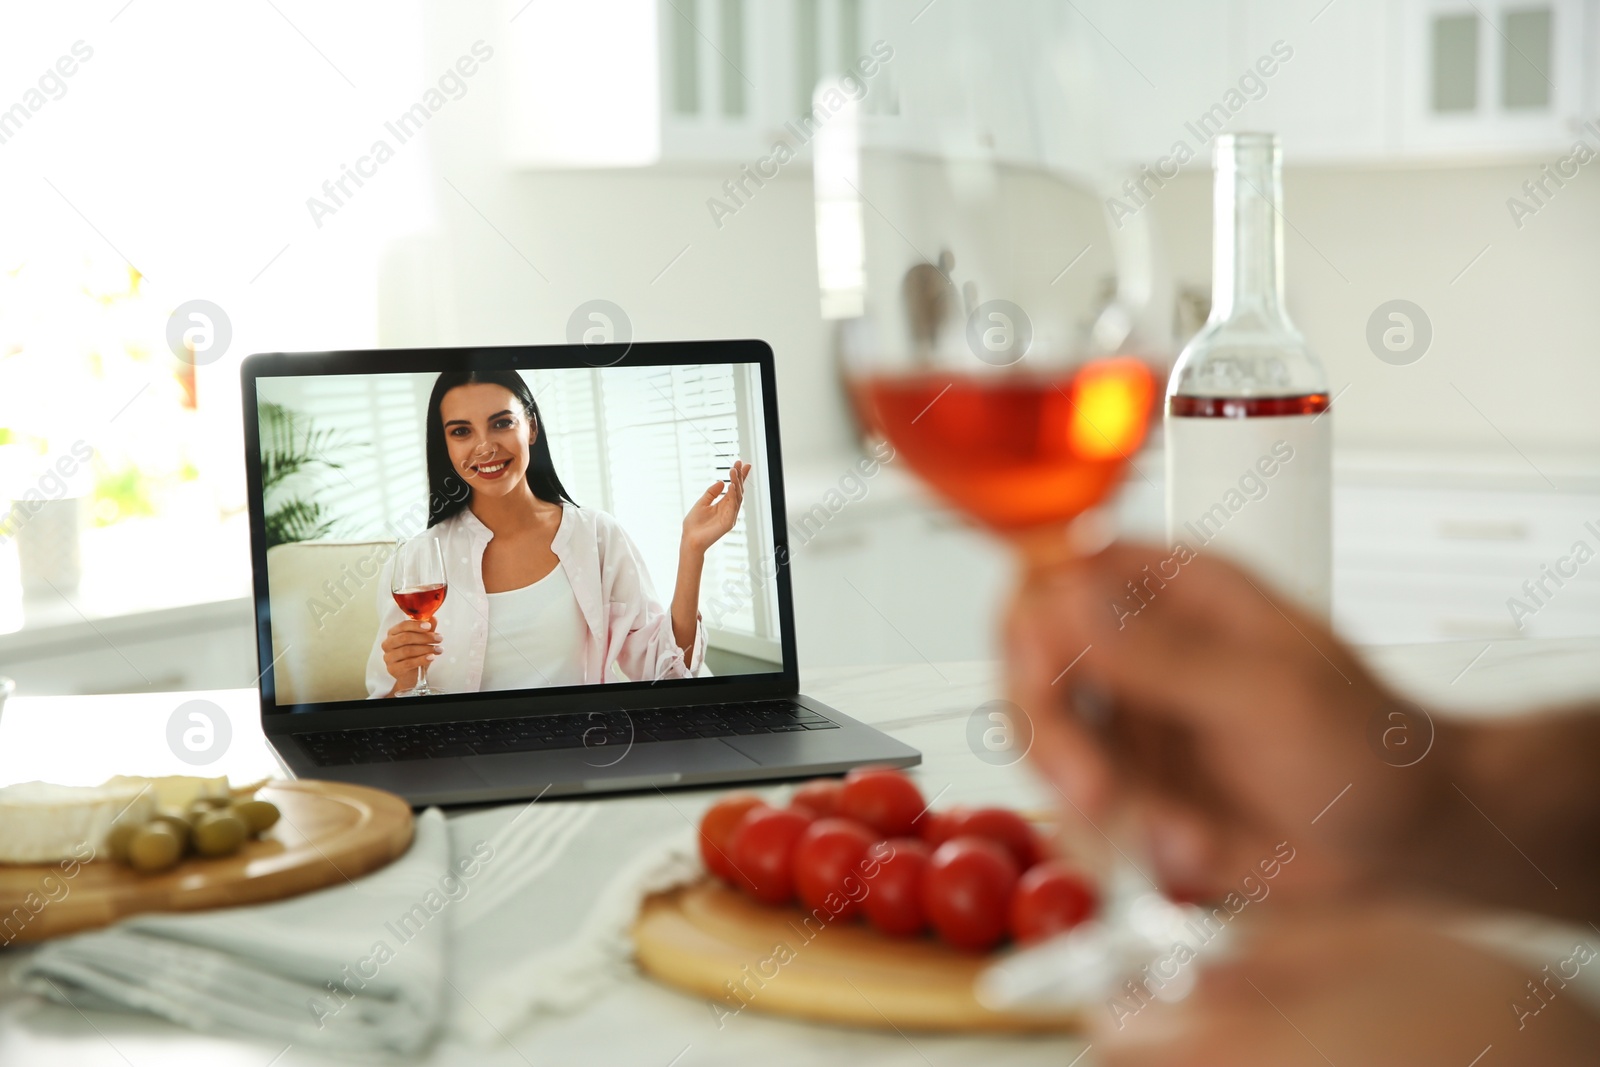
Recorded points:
(537,156)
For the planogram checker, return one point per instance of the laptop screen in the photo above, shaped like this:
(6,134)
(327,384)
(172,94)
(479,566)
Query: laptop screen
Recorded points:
(513,528)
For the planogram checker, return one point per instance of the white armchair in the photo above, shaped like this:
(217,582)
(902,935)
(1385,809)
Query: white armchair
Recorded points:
(324,597)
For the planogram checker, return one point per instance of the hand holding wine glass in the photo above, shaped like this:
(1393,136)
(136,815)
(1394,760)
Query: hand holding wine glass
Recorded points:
(408,648)
(1232,720)
(418,584)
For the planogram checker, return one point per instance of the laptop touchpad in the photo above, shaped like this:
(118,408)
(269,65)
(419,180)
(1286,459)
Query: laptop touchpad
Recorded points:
(413,777)
(620,762)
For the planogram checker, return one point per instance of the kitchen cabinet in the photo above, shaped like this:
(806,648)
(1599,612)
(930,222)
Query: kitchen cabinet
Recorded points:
(1157,69)
(197,646)
(713,82)
(1493,76)
(1422,553)
(1331,100)
(1448,563)
(682,82)
(1423,80)
(898,582)
(718,83)
(1368,81)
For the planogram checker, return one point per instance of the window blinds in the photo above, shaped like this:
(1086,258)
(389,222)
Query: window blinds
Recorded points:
(374,422)
(644,443)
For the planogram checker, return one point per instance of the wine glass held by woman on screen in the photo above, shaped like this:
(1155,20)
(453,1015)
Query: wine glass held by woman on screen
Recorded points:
(523,553)
(418,584)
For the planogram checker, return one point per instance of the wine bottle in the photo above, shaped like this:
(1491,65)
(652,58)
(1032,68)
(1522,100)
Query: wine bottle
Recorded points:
(1248,433)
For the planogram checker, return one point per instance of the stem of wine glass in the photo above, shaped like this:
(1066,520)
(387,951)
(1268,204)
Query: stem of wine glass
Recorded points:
(1041,549)
(1044,548)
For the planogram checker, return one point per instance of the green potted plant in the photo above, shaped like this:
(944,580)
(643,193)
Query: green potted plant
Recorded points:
(292,446)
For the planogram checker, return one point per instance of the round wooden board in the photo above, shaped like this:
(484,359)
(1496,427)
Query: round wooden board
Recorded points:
(700,937)
(329,832)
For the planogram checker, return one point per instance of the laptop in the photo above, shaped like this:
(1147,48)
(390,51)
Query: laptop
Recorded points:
(400,648)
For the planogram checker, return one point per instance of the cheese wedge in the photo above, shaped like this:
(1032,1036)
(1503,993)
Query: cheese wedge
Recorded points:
(43,823)
(174,791)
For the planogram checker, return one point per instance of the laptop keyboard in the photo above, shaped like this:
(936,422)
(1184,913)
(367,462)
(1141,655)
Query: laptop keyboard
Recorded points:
(538,733)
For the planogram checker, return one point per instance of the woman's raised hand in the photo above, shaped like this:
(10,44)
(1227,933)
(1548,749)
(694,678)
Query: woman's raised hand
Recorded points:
(714,514)
(407,648)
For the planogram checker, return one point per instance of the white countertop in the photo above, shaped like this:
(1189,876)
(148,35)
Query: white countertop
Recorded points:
(86,739)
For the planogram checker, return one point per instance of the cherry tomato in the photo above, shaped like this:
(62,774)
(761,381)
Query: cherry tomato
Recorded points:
(762,850)
(716,829)
(884,799)
(1189,894)
(967,891)
(828,862)
(1051,897)
(820,795)
(893,903)
(937,827)
(1005,827)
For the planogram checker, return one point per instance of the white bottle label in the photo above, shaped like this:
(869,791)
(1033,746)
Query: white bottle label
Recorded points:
(1259,490)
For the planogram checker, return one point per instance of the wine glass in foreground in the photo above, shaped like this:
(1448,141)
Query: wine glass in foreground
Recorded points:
(963,259)
(419,586)
(1026,450)
(1024,440)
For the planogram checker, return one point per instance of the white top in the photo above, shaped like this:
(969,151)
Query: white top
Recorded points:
(536,636)
(627,631)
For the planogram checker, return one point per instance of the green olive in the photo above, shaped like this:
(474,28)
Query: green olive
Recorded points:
(218,833)
(117,840)
(258,815)
(154,847)
(180,824)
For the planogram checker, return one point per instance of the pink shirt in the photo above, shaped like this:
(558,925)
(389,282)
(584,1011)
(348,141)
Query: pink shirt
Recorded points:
(627,628)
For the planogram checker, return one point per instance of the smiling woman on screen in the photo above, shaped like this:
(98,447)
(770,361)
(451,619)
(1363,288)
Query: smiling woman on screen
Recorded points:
(541,592)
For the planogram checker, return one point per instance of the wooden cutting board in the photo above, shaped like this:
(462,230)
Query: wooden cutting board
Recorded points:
(329,832)
(700,938)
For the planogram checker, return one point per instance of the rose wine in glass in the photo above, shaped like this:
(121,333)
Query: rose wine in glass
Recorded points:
(418,585)
(1022,451)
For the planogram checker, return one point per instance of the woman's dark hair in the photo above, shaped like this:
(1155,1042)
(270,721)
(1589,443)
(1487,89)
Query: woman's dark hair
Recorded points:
(448,492)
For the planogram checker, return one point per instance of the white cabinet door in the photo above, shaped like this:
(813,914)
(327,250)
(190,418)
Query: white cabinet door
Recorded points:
(1417,564)
(724,67)
(907,586)
(1411,606)
(569,104)
(1492,76)
(200,646)
(1159,66)
(1330,100)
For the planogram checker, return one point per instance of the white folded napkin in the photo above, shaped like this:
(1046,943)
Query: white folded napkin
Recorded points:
(546,925)
(358,967)
(491,919)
